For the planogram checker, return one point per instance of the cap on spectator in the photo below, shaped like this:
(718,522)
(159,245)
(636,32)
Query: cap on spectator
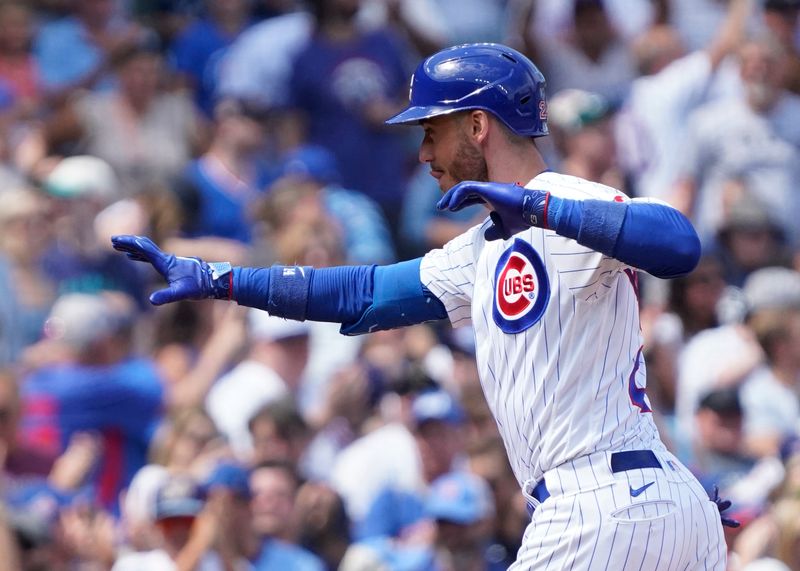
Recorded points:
(775,287)
(782,5)
(724,401)
(266,327)
(314,162)
(436,405)
(572,110)
(140,498)
(749,216)
(178,497)
(82,175)
(79,319)
(459,497)
(230,476)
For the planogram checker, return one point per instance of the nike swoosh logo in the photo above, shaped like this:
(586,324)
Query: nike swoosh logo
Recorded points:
(638,491)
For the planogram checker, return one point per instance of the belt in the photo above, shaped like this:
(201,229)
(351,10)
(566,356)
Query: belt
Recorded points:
(620,462)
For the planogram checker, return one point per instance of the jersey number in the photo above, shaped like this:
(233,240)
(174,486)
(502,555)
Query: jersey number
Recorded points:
(637,393)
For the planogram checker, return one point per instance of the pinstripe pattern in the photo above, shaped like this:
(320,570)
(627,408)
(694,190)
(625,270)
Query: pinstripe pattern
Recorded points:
(559,391)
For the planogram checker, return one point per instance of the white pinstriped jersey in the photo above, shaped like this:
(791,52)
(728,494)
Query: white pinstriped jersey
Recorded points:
(557,337)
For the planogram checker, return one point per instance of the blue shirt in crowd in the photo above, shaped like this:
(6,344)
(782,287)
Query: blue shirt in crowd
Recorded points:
(122,403)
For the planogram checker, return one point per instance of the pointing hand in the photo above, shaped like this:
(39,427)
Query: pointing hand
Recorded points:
(187,278)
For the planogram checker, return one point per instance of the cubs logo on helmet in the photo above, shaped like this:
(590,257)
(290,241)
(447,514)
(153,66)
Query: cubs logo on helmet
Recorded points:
(521,288)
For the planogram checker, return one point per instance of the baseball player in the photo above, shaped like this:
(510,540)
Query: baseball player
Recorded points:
(548,282)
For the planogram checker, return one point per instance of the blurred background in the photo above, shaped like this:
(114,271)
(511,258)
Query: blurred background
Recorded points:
(203,436)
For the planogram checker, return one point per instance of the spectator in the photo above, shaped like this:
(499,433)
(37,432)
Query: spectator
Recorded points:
(18,68)
(273,369)
(729,354)
(138,510)
(187,526)
(76,51)
(693,305)
(279,434)
(346,83)
(730,138)
(781,18)
(145,133)
(199,49)
(245,72)
(349,406)
(696,20)
(220,187)
(322,523)
(45,520)
(553,17)
(581,124)
(488,461)
(103,386)
(473,20)
(274,487)
(671,83)
(719,453)
(21,463)
(78,260)
(769,394)
(437,421)
(590,56)
(190,365)
(237,541)
(421,22)
(750,237)
(366,235)
(190,444)
(462,506)
(27,293)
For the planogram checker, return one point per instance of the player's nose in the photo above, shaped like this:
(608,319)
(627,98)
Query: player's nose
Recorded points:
(425,152)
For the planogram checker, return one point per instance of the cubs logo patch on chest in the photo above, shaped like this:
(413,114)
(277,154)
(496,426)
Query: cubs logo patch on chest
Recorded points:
(521,288)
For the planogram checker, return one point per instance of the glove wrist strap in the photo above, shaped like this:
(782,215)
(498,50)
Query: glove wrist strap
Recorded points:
(534,208)
(220,276)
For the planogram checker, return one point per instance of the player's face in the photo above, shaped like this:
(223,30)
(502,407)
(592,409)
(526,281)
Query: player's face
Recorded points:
(447,148)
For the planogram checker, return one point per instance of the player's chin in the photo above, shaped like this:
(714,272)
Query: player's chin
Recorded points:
(446,183)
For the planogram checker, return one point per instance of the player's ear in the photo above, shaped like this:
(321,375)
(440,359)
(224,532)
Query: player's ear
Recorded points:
(478,125)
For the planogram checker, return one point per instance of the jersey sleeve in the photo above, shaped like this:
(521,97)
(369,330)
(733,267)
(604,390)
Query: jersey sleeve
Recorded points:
(586,273)
(449,274)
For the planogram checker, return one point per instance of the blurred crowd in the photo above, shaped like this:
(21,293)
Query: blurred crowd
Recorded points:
(205,436)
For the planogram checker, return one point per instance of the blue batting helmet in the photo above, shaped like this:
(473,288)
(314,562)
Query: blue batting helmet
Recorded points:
(491,77)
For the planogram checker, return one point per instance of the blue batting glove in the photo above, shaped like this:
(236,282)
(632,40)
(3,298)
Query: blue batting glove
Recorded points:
(513,207)
(723,505)
(188,278)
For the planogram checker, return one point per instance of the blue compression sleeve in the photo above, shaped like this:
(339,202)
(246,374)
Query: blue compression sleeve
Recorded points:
(650,236)
(362,298)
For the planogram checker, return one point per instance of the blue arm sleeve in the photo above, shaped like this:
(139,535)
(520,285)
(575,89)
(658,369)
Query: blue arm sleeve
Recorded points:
(650,236)
(361,298)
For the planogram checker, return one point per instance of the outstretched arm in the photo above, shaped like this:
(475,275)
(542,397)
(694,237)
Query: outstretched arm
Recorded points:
(648,235)
(361,298)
